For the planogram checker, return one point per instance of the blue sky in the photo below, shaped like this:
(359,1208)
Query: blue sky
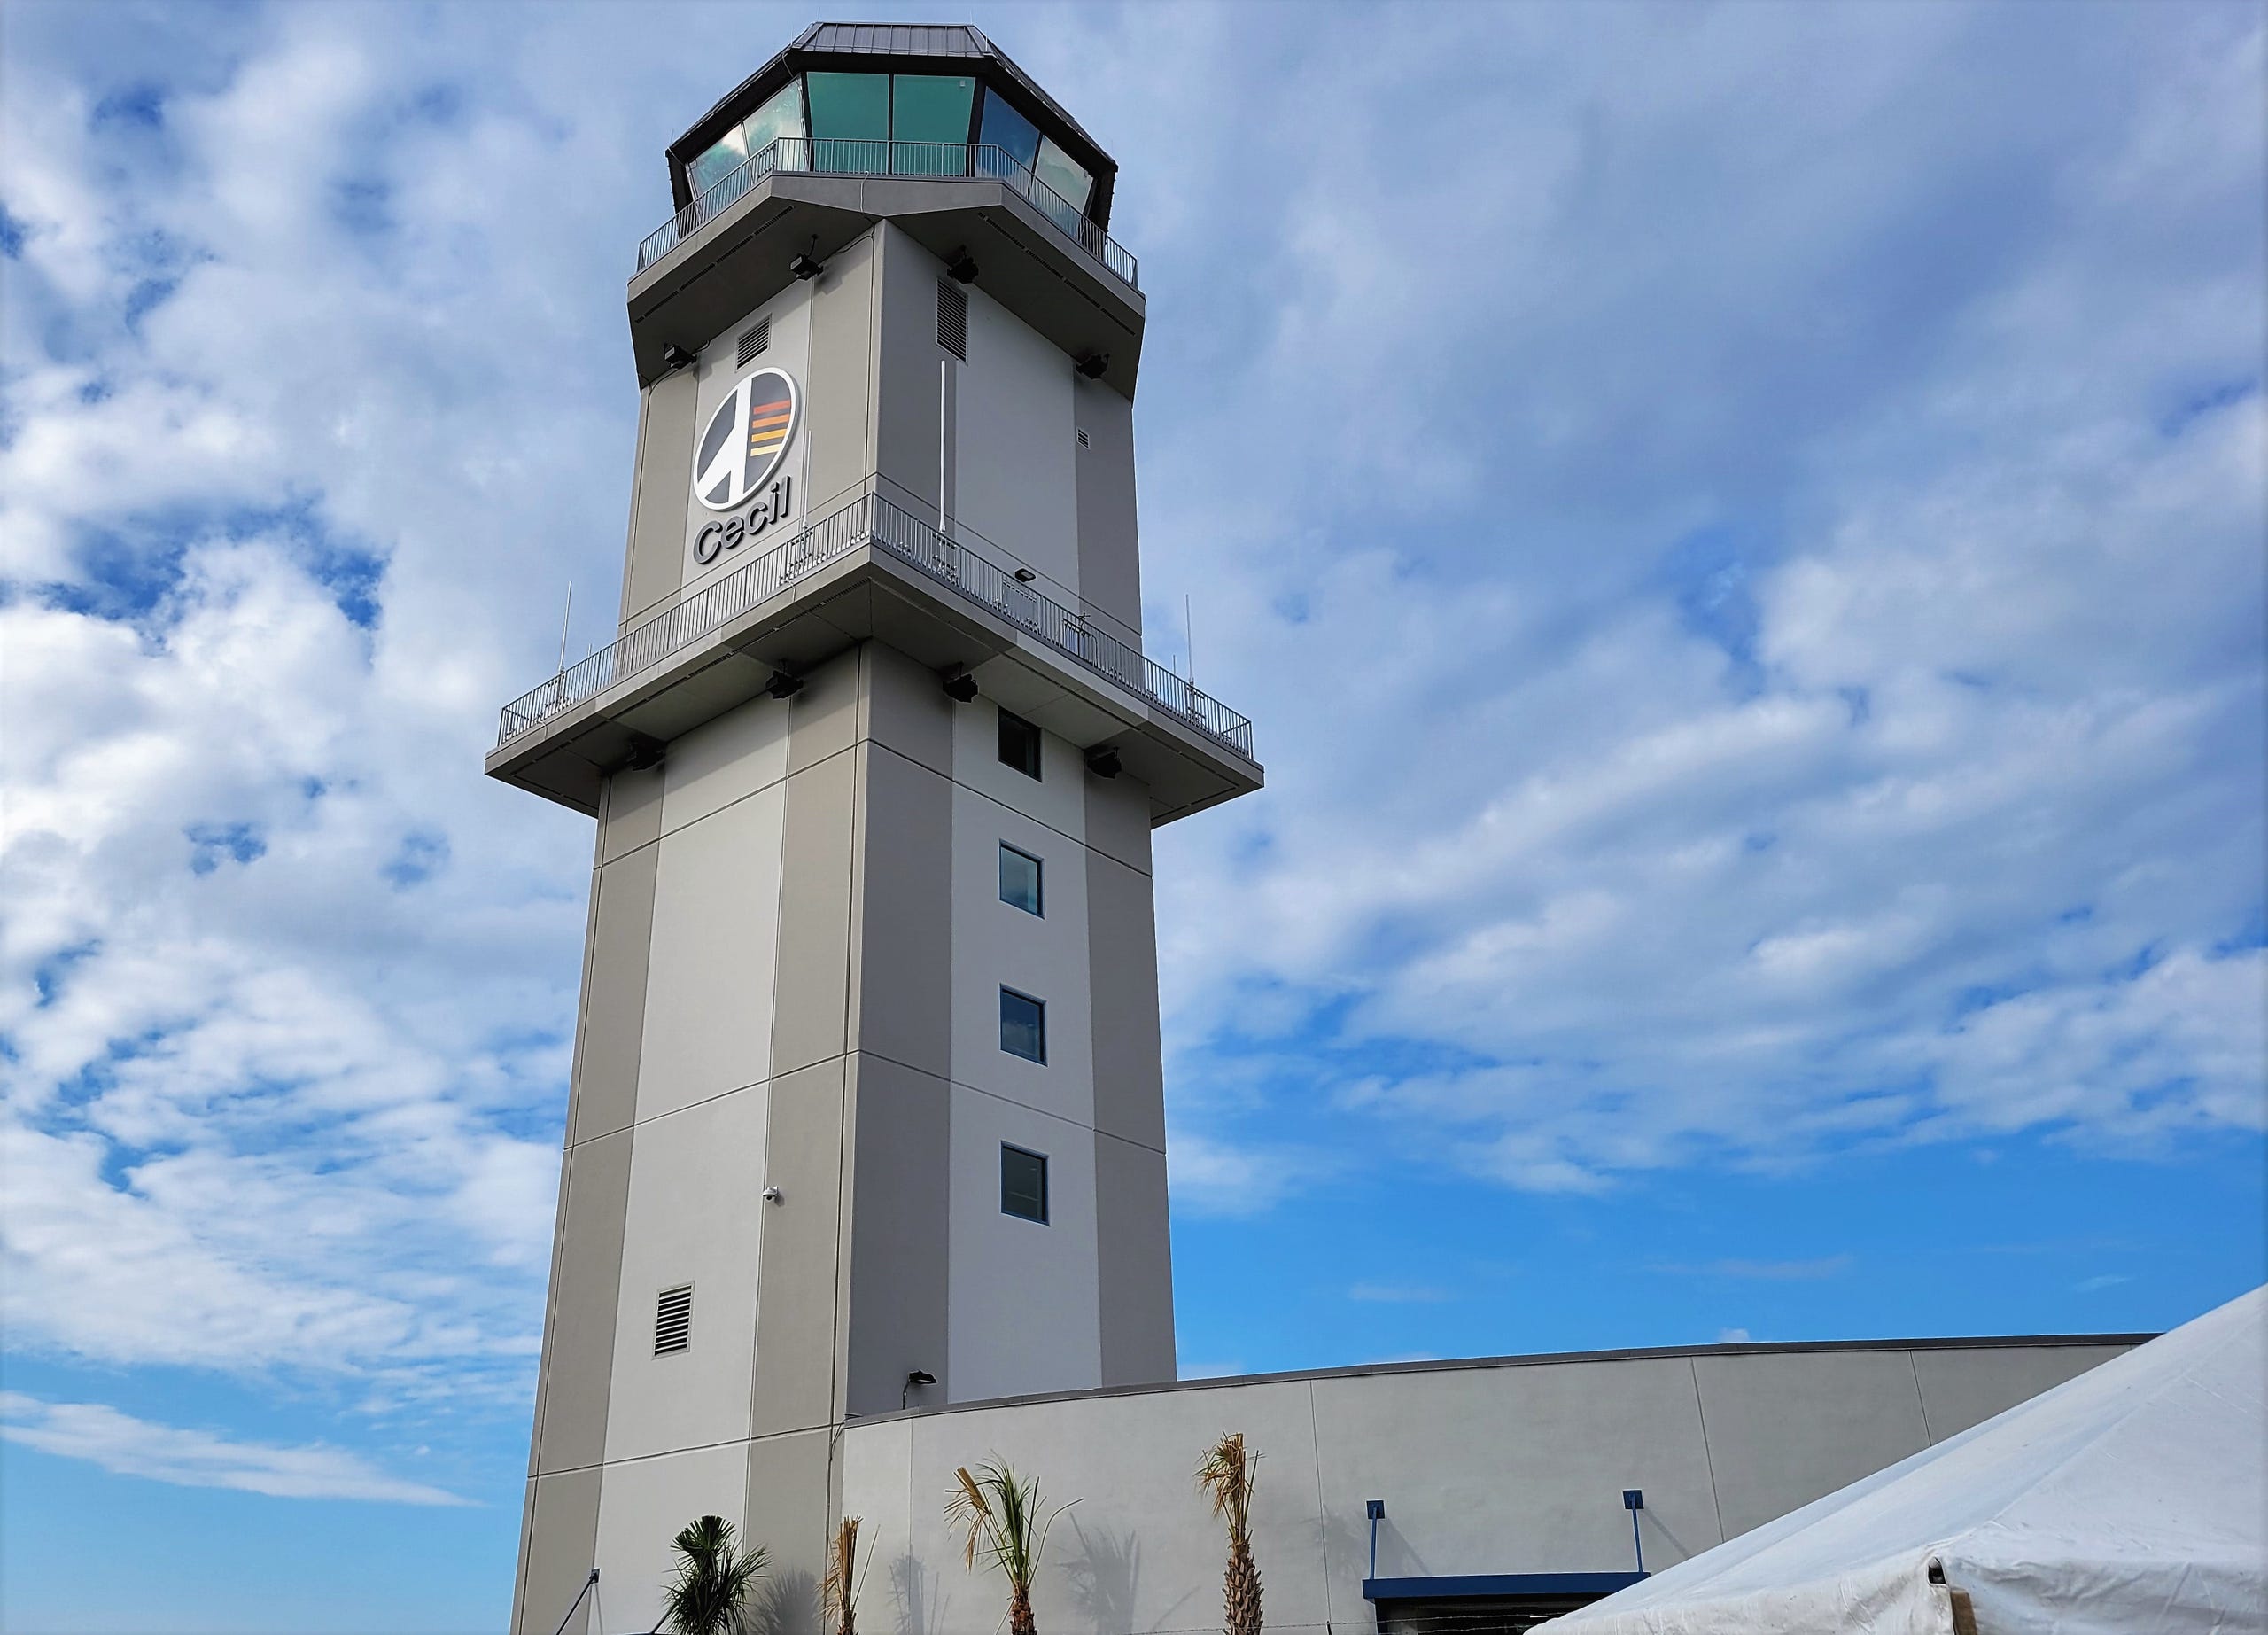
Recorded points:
(1740,526)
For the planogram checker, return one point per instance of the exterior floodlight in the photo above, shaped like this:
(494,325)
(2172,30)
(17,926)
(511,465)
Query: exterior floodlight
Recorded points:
(1103,762)
(919,1376)
(1093,364)
(674,356)
(1024,576)
(963,270)
(782,685)
(805,268)
(644,752)
(961,688)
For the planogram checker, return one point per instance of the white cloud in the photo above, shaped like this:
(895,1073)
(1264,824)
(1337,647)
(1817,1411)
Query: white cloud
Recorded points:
(135,1447)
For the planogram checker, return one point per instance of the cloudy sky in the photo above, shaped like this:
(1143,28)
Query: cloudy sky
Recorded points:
(1740,528)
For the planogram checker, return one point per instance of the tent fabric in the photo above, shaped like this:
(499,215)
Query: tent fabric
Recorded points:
(2131,1500)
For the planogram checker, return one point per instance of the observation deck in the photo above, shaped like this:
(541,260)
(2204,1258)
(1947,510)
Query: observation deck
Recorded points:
(872,570)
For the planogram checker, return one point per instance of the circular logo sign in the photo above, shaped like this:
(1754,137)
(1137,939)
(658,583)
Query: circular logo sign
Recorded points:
(745,439)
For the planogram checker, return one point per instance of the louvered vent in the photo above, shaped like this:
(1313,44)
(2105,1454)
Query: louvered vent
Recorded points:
(754,340)
(1082,436)
(673,1320)
(953,318)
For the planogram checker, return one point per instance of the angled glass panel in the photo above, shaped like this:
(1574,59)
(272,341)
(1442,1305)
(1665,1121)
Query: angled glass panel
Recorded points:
(780,121)
(849,115)
(716,166)
(1064,175)
(1011,142)
(928,124)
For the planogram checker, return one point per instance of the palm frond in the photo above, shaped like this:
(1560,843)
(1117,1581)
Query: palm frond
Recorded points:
(839,1590)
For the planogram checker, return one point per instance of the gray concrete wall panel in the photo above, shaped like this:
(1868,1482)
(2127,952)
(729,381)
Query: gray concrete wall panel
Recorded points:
(796,1366)
(695,1216)
(909,364)
(1118,820)
(788,1512)
(662,494)
(907,708)
(642,1507)
(899,1209)
(1122,986)
(562,1547)
(840,391)
(612,1029)
(1787,1428)
(1015,487)
(810,994)
(1964,1388)
(724,760)
(1110,561)
(578,1362)
(632,815)
(1025,1309)
(1513,1469)
(902,1000)
(717,894)
(824,717)
(1134,1265)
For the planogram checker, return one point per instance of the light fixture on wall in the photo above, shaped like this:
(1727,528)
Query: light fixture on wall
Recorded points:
(644,752)
(1103,762)
(808,266)
(1093,364)
(1024,576)
(919,1377)
(782,685)
(961,687)
(962,268)
(675,357)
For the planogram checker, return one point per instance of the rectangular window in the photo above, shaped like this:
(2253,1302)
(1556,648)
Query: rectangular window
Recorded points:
(850,122)
(1019,745)
(1018,879)
(1023,1184)
(928,124)
(1065,176)
(720,162)
(1024,1025)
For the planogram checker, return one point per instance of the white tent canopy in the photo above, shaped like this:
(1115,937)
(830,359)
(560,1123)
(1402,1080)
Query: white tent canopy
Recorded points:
(2131,1500)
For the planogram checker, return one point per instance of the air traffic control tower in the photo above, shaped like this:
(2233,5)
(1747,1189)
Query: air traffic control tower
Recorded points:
(867,1104)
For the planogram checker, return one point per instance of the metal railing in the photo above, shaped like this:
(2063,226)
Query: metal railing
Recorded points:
(847,156)
(872,520)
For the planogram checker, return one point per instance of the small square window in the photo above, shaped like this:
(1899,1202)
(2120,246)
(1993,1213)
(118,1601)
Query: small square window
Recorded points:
(1018,879)
(1023,1184)
(1019,745)
(1024,1025)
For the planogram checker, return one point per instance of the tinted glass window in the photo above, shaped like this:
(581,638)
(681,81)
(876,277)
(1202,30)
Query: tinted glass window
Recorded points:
(1066,179)
(1018,879)
(850,121)
(1006,129)
(1023,1184)
(932,107)
(718,163)
(781,116)
(1019,745)
(1024,1025)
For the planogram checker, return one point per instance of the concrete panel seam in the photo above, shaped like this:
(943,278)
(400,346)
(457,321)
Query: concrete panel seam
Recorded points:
(1708,1457)
(639,1124)
(1322,1514)
(1929,1438)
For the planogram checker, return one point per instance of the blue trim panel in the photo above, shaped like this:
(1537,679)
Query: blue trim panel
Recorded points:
(1451,1586)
